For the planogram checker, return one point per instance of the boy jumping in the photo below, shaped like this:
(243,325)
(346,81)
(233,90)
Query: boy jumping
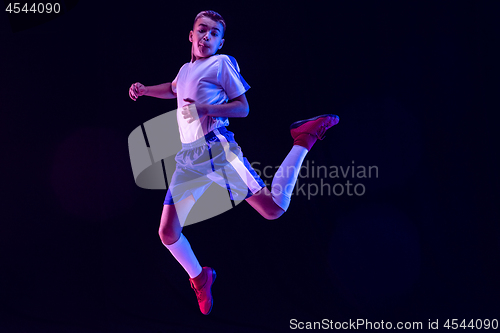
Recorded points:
(209,90)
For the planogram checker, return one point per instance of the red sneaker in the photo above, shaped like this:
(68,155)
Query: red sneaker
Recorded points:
(306,132)
(202,286)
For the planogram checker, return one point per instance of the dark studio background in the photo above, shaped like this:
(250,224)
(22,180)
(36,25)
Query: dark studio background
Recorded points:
(413,84)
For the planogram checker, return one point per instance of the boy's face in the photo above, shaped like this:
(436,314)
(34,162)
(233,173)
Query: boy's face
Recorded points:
(206,37)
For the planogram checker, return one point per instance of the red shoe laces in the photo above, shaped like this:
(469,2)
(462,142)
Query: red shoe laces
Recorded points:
(322,130)
(197,292)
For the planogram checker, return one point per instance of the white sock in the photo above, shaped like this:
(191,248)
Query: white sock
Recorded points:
(181,250)
(286,176)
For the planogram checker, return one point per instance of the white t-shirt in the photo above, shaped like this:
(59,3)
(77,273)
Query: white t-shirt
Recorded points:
(213,80)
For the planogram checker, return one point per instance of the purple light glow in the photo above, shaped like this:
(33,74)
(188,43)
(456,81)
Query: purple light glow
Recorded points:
(91,174)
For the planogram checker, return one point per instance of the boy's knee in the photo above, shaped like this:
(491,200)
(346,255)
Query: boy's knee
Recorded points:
(168,236)
(274,214)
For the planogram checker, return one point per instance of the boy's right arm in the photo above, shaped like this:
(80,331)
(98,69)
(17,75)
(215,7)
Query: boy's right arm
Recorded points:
(163,90)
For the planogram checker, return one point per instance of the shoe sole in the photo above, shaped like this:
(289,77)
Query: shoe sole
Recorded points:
(213,280)
(300,122)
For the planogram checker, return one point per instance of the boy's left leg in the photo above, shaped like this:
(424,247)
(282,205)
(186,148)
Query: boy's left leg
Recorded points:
(264,204)
(273,204)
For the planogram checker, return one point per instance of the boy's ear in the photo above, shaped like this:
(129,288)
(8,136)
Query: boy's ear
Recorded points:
(221,43)
(191,36)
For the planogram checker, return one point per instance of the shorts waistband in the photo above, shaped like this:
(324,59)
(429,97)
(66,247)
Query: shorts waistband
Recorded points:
(209,137)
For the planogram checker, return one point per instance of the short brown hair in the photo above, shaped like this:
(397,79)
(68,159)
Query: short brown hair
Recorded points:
(212,15)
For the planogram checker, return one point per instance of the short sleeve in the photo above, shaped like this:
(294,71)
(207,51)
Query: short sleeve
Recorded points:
(174,82)
(230,78)
(174,85)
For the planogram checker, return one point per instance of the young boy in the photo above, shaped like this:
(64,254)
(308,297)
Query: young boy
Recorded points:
(209,90)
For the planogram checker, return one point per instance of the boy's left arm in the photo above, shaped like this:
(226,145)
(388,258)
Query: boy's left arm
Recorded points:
(235,108)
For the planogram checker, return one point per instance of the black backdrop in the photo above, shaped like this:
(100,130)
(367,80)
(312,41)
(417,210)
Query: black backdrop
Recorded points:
(413,84)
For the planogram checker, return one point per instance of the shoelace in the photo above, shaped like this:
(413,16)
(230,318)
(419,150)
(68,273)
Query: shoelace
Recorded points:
(322,130)
(197,292)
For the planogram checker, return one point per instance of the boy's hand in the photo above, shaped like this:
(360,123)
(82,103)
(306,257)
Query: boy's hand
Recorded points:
(137,89)
(191,114)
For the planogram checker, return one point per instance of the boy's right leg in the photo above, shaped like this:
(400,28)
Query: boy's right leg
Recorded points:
(170,231)
(172,221)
